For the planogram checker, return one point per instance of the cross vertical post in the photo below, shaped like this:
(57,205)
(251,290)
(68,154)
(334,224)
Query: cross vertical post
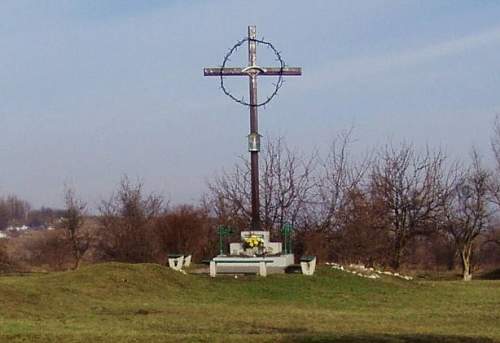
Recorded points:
(254,128)
(253,71)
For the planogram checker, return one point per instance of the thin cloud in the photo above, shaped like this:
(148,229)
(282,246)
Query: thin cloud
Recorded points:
(341,71)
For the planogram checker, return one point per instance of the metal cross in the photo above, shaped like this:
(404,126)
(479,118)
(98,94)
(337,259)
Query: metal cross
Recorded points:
(252,71)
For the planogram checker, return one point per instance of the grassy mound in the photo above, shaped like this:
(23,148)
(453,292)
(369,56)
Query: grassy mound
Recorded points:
(147,303)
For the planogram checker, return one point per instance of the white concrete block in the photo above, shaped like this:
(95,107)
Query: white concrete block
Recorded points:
(176,263)
(187,261)
(213,269)
(262,269)
(308,268)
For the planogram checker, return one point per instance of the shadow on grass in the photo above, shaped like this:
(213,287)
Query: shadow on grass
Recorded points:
(389,339)
(492,275)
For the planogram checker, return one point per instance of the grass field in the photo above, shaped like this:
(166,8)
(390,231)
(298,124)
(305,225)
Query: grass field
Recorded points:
(148,303)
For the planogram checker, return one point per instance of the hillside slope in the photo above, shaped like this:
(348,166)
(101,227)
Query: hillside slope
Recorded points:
(114,302)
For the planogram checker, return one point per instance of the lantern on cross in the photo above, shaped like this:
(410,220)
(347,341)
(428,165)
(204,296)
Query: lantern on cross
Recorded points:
(254,142)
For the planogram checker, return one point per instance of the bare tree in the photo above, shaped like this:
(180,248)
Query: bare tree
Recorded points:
(493,237)
(285,185)
(495,140)
(72,223)
(5,263)
(340,177)
(228,196)
(411,186)
(186,229)
(4,217)
(495,177)
(362,235)
(13,211)
(127,224)
(45,248)
(468,211)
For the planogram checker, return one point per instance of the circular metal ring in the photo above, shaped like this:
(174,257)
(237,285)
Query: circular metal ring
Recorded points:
(278,84)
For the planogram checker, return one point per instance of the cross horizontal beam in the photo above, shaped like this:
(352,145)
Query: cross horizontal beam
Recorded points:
(273,71)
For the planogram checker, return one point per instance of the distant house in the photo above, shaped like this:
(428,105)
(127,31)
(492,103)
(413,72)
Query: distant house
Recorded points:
(17,228)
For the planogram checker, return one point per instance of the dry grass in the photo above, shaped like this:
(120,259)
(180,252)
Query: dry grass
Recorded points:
(149,303)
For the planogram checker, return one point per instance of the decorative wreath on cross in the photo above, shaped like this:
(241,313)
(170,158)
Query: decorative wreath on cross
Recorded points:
(277,85)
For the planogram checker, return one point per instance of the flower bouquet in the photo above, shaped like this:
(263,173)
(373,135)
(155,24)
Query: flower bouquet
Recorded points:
(254,243)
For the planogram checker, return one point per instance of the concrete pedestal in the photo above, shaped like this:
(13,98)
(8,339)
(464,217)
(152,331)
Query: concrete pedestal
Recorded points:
(260,265)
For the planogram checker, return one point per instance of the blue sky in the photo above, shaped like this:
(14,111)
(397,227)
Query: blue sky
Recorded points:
(92,90)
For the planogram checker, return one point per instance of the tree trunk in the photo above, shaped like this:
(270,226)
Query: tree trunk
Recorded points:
(77,256)
(77,264)
(396,257)
(465,255)
(450,260)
